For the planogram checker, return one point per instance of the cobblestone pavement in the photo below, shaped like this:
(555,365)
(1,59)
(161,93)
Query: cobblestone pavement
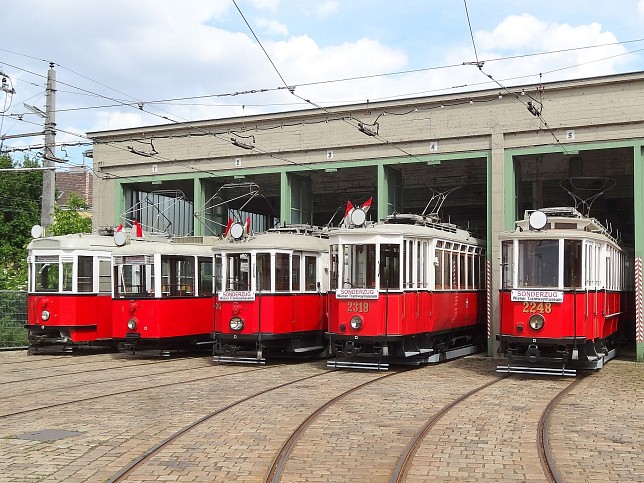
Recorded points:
(84,418)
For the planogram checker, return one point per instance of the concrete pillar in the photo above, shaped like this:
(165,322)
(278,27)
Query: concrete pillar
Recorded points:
(638,208)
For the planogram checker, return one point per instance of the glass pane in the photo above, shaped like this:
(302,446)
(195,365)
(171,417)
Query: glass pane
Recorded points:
(389,266)
(68,274)
(282,272)
(238,271)
(47,277)
(538,263)
(572,263)
(205,277)
(507,263)
(104,279)
(359,266)
(310,273)
(133,280)
(264,272)
(85,274)
(295,272)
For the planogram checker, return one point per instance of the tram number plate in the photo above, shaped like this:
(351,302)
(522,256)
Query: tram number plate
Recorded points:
(537,307)
(358,307)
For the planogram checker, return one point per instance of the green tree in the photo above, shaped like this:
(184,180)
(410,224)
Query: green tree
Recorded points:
(72,219)
(20,195)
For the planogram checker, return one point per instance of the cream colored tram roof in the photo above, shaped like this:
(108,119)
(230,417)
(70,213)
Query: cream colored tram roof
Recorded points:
(275,241)
(144,247)
(76,241)
(405,230)
(588,228)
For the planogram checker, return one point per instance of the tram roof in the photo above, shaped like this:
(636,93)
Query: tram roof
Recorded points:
(561,222)
(432,230)
(167,247)
(75,241)
(275,241)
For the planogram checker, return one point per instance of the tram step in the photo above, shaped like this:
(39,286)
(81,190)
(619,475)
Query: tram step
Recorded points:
(238,360)
(373,366)
(547,371)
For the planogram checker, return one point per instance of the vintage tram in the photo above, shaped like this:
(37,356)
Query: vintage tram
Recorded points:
(69,291)
(162,295)
(409,289)
(270,293)
(562,294)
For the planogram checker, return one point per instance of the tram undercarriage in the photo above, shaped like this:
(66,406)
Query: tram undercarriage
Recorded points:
(253,349)
(561,357)
(418,349)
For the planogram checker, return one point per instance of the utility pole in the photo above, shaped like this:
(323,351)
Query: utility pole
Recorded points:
(49,175)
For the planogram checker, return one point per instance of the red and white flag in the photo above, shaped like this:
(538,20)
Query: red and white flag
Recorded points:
(139,230)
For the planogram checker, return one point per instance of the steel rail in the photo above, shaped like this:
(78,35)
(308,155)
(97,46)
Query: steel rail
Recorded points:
(405,459)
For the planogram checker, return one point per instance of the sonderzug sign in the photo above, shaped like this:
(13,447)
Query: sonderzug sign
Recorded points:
(235,296)
(356,293)
(536,296)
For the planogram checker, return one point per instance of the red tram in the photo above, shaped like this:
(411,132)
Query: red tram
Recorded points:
(162,296)
(562,293)
(409,289)
(271,293)
(69,291)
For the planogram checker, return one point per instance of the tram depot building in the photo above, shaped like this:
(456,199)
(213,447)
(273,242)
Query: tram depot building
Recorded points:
(505,151)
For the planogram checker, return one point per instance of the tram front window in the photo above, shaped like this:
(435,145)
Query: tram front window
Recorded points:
(47,272)
(238,271)
(539,263)
(133,278)
(359,266)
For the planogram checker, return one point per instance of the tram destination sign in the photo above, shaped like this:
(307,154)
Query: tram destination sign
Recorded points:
(536,296)
(236,296)
(356,293)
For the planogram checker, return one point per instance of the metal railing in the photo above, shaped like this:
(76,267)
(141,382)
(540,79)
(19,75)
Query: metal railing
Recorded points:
(13,317)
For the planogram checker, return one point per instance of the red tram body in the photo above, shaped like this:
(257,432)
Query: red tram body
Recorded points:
(271,294)
(69,292)
(162,296)
(409,290)
(562,294)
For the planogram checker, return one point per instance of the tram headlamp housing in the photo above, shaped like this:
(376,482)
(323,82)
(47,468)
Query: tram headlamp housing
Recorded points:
(236,323)
(44,315)
(536,321)
(356,322)
(131,324)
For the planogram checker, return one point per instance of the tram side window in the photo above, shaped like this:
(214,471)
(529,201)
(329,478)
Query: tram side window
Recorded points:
(104,278)
(295,272)
(438,270)
(68,276)
(539,263)
(507,261)
(46,279)
(462,271)
(85,274)
(177,276)
(238,271)
(310,273)
(282,272)
(205,276)
(133,279)
(389,266)
(264,272)
(572,263)
(219,263)
(333,276)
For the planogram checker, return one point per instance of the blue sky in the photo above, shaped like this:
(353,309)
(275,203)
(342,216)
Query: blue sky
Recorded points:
(112,55)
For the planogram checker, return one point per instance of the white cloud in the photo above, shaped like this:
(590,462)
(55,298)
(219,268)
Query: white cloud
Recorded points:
(640,7)
(272,27)
(326,9)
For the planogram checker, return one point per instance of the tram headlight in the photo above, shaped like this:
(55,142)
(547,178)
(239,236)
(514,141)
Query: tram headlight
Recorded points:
(536,321)
(356,322)
(44,315)
(236,323)
(131,324)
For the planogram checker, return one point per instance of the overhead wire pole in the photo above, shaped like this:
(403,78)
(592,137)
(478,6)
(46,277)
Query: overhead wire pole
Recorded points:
(49,175)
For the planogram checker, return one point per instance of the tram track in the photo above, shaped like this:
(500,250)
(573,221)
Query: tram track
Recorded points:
(274,473)
(93,383)
(129,469)
(127,391)
(404,461)
(543,445)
